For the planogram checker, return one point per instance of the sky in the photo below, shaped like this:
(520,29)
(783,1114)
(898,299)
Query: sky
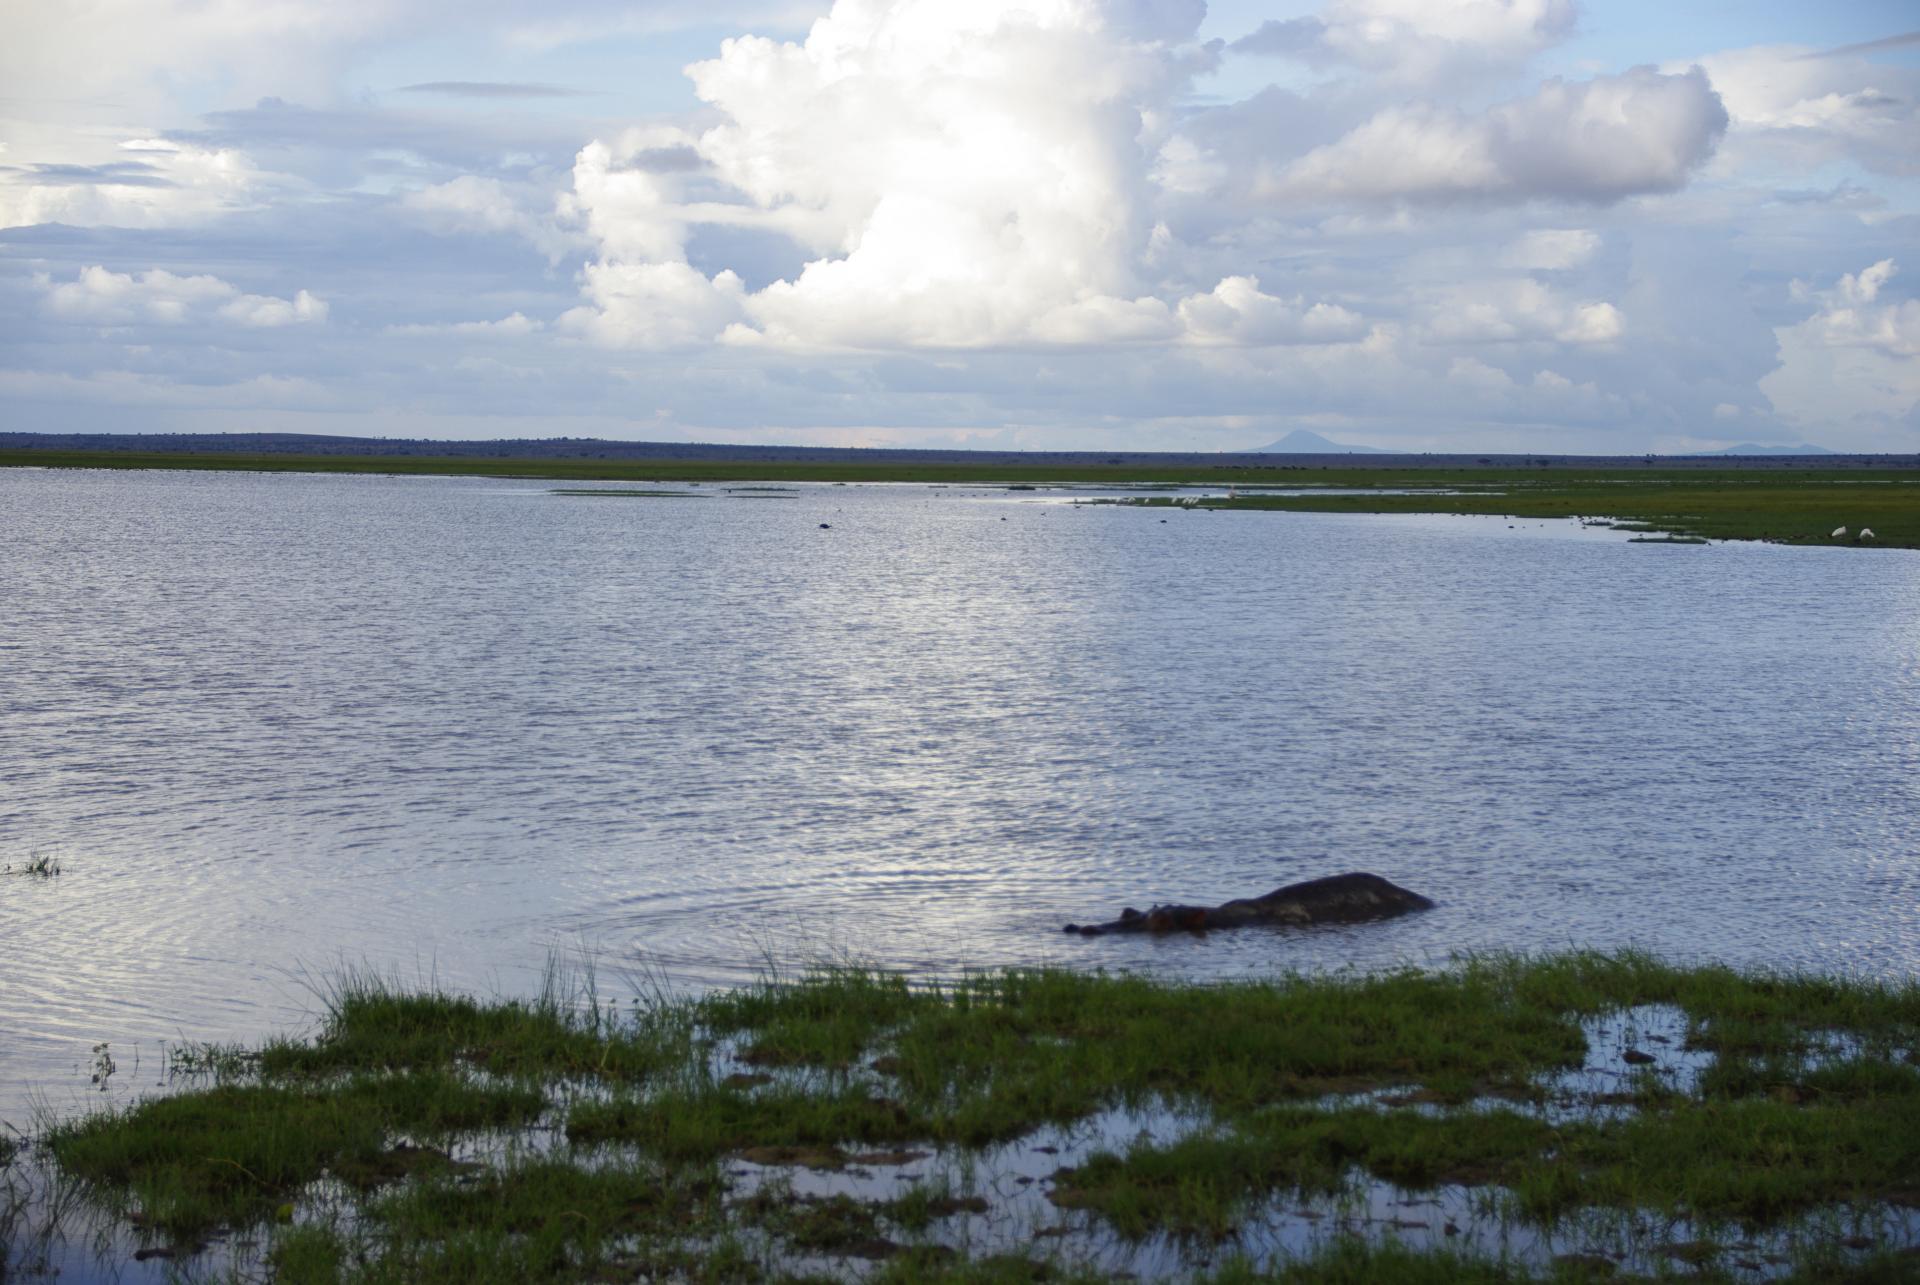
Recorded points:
(1428,225)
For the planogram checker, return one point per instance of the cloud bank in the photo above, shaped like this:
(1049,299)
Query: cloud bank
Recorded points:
(1002,174)
(1452,223)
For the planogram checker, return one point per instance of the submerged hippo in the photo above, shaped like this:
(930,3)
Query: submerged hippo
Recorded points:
(1337,899)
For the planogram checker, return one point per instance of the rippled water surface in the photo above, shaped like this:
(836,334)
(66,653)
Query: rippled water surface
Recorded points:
(271,725)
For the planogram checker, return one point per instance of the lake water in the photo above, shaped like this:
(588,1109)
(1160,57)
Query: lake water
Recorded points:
(272,726)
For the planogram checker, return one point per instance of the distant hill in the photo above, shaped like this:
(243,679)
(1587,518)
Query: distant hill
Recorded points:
(1748,448)
(1302,442)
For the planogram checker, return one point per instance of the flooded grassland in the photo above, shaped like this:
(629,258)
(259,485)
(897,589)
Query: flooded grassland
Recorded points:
(1578,1116)
(416,736)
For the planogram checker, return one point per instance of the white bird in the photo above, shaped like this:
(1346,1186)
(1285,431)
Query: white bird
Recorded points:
(1838,532)
(1866,533)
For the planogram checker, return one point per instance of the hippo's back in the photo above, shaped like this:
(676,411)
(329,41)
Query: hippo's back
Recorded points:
(1343,898)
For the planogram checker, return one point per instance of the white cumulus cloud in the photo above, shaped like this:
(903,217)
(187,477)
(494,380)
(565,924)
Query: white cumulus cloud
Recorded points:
(1856,357)
(1809,109)
(473,204)
(973,173)
(963,176)
(1510,310)
(1854,317)
(1238,311)
(1597,141)
(158,297)
(656,305)
(143,183)
(1552,249)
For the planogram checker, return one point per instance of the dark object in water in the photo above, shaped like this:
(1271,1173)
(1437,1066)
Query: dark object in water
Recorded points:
(1337,899)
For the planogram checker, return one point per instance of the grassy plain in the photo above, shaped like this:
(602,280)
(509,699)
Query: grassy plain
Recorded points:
(1797,506)
(432,1137)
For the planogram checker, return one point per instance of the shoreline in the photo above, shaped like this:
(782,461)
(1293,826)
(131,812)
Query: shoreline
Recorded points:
(1774,504)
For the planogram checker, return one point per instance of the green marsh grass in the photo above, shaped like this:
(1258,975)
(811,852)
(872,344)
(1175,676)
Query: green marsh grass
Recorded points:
(1787,507)
(1352,1261)
(232,1154)
(1289,1089)
(373,1027)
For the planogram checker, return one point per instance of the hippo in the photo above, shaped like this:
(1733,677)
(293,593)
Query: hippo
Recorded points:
(1337,899)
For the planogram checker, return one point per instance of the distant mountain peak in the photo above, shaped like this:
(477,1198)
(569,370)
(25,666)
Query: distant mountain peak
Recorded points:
(1303,442)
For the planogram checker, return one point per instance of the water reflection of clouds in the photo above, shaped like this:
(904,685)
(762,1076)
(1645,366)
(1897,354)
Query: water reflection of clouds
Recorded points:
(442,726)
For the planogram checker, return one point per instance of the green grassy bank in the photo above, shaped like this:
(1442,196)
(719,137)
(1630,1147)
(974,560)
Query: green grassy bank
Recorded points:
(1724,1125)
(1799,506)
(1786,508)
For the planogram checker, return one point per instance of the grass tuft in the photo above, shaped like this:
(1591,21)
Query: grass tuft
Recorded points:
(232,1154)
(562,1033)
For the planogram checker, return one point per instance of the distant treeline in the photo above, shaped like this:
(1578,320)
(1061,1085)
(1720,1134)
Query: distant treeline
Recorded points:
(586,448)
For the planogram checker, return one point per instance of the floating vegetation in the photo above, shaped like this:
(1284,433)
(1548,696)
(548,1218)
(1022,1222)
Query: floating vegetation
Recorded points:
(38,866)
(625,493)
(1506,1119)
(103,1065)
(1668,539)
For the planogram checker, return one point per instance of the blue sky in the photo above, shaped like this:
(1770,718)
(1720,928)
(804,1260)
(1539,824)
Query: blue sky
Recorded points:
(1143,224)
